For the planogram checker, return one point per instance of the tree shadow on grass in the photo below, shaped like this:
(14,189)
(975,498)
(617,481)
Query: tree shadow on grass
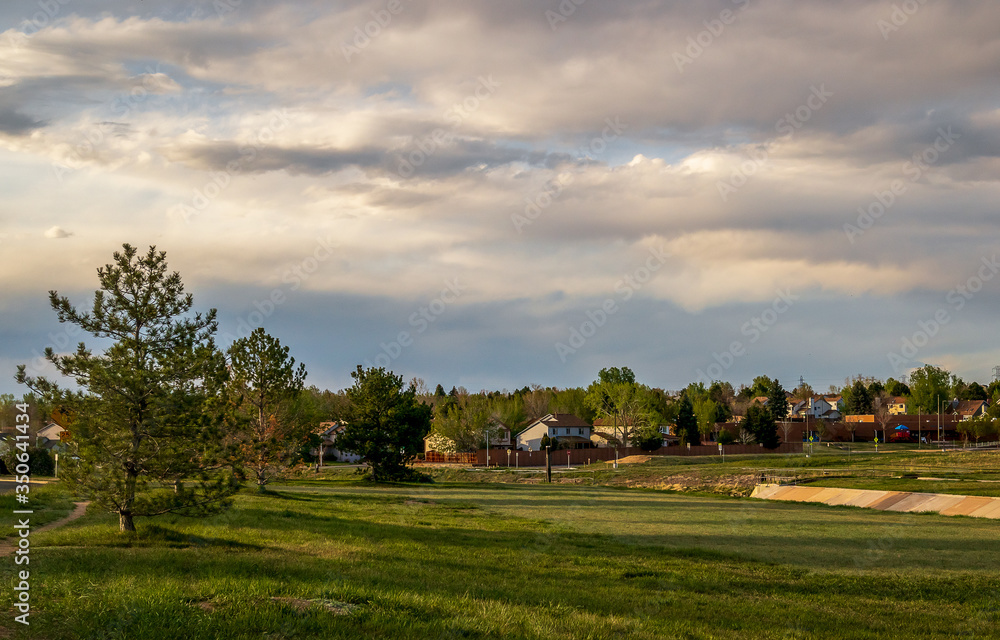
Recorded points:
(156,536)
(280,495)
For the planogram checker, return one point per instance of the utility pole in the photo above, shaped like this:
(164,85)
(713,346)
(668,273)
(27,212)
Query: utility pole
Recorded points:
(939,421)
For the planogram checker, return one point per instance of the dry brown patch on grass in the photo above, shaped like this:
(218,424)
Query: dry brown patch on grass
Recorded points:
(734,485)
(633,460)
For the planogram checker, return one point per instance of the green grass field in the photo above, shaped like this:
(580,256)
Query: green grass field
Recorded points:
(339,558)
(968,473)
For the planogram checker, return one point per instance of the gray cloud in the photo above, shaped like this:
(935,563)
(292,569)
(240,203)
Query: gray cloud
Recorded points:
(335,169)
(16,123)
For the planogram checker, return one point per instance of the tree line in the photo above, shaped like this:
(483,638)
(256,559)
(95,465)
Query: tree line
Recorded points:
(164,421)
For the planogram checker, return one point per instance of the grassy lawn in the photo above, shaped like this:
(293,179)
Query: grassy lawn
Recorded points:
(48,501)
(736,475)
(337,558)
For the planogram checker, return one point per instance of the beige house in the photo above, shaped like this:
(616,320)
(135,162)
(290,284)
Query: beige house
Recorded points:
(566,427)
(897,406)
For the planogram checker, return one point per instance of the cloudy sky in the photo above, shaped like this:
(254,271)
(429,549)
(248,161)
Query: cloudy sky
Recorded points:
(493,194)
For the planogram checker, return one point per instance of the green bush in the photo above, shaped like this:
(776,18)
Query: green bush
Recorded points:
(725,437)
(40,460)
(650,440)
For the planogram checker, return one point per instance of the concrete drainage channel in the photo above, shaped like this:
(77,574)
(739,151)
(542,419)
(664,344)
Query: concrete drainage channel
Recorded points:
(900,501)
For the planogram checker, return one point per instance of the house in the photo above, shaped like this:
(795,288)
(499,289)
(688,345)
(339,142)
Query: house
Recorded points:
(50,436)
(603,440)
(328,443)
(499,435)
(897,406)
(566,427)
(818,407)
(967,409)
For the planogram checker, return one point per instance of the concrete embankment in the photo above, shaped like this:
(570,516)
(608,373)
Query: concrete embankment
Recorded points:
(945,504)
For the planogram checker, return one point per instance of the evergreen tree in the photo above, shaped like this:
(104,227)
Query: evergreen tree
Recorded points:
(650,438)
(264,385)
(687,424)
(386,425)
(777,402)
(760,424)
(143,438)
(859,401)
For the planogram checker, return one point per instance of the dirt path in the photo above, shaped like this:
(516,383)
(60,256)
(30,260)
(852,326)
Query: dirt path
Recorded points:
(7,547)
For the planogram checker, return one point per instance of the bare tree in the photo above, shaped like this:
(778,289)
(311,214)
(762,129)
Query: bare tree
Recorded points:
(786,428)
(536,403)
(880,405)
(421,386)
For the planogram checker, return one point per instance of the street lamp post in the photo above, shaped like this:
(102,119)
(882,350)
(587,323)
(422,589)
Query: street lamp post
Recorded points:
(940,441)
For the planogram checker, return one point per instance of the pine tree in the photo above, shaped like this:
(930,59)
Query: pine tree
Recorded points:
(263,387)
(760,424)
(859,401)
(687,424)
(777,402)
(144,436)
(386,425)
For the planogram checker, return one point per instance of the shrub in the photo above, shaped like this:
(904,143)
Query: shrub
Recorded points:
(725,437)
(650,440)
(40,460)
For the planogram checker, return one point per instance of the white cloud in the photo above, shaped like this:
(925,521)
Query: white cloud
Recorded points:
(57,232)
(117,119)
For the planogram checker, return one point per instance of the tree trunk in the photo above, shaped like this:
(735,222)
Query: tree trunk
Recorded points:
(125,521)
(125,512)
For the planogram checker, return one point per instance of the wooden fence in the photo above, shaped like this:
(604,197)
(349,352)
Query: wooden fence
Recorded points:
(459,458)
(500,458)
